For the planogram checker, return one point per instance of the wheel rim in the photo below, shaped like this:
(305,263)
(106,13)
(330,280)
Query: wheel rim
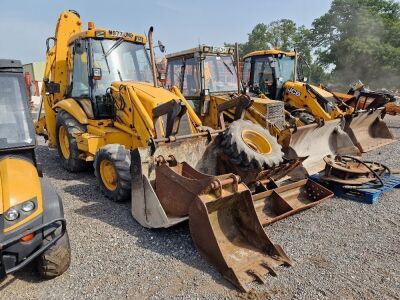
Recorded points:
(64,142)
(256,142)
(108,174)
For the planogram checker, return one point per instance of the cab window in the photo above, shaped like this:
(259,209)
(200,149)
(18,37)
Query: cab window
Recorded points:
(174,72)
(190,82)
(80,75)
(246,71)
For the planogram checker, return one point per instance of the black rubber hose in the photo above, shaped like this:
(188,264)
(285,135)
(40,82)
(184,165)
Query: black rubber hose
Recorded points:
(378,177)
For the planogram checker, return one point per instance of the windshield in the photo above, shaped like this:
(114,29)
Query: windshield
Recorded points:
(285,68)
(120,61)
(220,74)
(16,129)
(262,74)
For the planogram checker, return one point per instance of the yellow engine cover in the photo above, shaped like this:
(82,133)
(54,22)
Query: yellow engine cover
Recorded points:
(19,182)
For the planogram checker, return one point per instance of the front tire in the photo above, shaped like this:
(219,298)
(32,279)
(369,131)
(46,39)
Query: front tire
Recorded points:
(66,129)
(112,170)
(55,260)
(251,146)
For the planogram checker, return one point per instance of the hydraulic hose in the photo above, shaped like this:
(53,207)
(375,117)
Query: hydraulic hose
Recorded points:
(377,176)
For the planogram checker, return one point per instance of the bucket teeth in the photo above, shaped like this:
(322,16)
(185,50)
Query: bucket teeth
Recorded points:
(257,276)
(283,256)
(270,269)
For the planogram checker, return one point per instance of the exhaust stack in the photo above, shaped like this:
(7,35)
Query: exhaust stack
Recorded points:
(152,58)
(237,66)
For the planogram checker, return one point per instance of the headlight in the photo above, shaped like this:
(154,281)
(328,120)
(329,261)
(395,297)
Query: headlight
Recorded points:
(12,214)
(28,206)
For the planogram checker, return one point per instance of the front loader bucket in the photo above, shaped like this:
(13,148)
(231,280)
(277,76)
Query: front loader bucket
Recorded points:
(177,185)
(315,142)
(152,196)
(368,131)
(284,201)
(226,231)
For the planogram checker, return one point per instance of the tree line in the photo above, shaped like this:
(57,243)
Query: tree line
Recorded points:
(354,40)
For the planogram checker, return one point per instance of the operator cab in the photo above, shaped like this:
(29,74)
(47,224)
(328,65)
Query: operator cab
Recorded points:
(100,57)
(201,72)
(17,134)
(266,72)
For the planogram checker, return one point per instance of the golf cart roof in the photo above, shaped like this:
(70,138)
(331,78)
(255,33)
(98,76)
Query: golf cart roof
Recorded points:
(10,66)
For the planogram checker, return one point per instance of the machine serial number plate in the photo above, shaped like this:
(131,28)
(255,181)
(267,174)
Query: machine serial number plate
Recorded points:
(121,33)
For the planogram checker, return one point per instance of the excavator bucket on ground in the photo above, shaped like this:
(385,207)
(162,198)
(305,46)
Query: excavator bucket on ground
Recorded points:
(279,203)
(172,183)
(162,188)
(316,141)
(226,231)
(368,131)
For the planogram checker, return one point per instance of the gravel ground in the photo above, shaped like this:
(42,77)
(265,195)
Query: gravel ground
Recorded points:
(340,249)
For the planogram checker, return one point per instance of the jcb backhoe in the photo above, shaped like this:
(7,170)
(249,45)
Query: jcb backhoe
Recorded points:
(207,77)
(274,73)
(103,106)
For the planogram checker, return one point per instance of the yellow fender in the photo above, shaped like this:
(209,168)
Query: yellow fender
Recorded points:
(73,108)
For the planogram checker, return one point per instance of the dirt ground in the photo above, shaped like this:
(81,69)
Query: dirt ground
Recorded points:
(341,249)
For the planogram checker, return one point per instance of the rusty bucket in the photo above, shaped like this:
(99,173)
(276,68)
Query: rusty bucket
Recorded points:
(284,201)
(368,131)
(316,141)
(177,185)
(226,231)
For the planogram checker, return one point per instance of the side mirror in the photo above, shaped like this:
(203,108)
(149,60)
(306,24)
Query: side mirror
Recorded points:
(96,73)
(161,46)
(52,87)
(79,47)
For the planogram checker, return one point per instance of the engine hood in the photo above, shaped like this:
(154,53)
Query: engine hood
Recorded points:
(147,91)
(19,182)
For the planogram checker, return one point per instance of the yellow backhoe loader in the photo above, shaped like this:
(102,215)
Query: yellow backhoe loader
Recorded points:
(206,77)
(274,73)
(103,107)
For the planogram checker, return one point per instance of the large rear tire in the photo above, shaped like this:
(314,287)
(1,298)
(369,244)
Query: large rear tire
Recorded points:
(55,260)
(66,128)
(112,169)
(251,146)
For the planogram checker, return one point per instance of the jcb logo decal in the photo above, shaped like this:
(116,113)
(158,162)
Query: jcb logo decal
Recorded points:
(294,92)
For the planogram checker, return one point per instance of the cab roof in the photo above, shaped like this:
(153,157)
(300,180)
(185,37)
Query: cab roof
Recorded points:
(269,52)
(203,49)
(10,65)
(108,34)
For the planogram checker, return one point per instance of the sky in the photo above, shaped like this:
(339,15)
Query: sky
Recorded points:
(179,24)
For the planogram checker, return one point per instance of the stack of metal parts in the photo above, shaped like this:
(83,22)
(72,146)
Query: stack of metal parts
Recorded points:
(349,171)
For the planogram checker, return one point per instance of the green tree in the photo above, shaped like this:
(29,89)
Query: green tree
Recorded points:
(283,34)
(360,39)
(287,36)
